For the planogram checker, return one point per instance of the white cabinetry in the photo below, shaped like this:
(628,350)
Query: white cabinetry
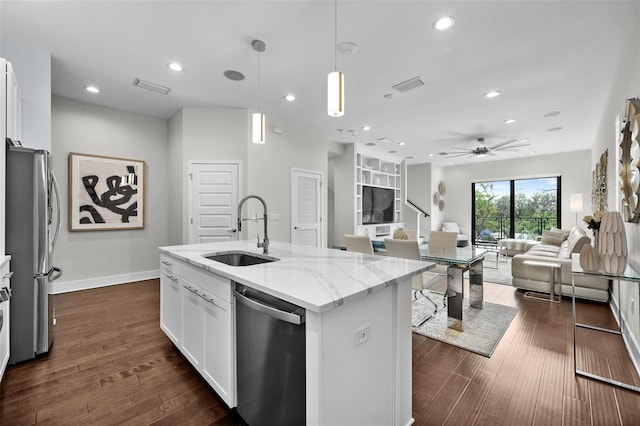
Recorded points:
(5,293)
(170,304)
(196,314)
(13,102)
(375,171)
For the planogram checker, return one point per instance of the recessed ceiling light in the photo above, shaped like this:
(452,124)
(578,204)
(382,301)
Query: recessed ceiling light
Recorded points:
(524,140)
(554,129)
(409,157)
(552,114)
(430,155)
(234,75)
(402,143)
(450,163)
(392,152)
(370,144)
(175,66)
(388,96)
(492,94)
(92,89)
(444,23)
(290,97)
(531,152)
(509,121)
(366,128)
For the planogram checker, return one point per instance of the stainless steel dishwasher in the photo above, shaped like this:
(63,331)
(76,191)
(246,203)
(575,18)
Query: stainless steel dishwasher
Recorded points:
(270,355)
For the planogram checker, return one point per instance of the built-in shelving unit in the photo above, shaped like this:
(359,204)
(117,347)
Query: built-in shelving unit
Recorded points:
(374,170)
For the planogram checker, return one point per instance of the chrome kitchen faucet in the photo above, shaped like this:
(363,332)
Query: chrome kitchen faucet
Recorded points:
(265,242)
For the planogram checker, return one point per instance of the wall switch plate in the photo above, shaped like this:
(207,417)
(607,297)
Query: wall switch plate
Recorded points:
(362,335)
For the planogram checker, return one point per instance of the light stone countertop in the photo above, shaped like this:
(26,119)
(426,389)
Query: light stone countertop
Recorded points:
(317,279)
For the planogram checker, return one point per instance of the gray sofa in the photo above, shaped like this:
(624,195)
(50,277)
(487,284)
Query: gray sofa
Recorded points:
(557,246)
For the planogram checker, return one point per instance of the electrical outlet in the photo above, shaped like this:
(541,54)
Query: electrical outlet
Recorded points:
(362,335)
(274,216)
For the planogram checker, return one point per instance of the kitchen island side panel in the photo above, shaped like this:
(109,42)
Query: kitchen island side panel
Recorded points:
(367,383)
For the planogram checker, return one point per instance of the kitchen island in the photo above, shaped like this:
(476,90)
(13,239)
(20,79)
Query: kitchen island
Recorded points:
(357,314)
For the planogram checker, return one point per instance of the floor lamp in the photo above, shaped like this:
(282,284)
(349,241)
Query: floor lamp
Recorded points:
(575,204)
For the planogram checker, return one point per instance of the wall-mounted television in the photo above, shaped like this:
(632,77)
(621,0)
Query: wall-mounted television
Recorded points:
(377,205)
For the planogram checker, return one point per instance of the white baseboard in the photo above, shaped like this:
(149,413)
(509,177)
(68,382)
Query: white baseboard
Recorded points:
(67,286)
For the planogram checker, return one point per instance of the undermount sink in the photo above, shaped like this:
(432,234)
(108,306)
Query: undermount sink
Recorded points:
(240,258)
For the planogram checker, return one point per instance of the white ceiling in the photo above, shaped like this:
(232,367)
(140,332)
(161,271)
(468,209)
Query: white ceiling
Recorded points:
(543,56)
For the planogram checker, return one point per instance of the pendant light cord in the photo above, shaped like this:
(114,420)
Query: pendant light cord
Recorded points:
(259,91)
(335,35)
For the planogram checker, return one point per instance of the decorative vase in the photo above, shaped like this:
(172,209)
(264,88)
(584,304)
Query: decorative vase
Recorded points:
(595,239)
(612,243)
(589,259)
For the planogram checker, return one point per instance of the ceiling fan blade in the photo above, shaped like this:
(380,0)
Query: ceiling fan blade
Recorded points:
(462,149)
(504,148)
(498,145)
(459,154)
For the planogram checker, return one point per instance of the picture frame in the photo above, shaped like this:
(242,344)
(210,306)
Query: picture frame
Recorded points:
(105,193)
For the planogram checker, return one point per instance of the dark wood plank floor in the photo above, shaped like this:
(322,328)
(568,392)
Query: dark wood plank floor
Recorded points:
(111,365)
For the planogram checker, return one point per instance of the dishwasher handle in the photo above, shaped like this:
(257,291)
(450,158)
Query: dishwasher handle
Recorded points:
(269,310)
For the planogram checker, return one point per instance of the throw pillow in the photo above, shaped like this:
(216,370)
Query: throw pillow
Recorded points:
(450,227)
(400,234)
(554,238)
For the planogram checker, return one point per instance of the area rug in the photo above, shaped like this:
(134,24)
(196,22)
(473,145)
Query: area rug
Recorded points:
(482,328)
(500,275)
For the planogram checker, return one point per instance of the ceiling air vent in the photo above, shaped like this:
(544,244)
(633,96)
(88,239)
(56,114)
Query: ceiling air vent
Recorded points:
(409,84)
(151,86)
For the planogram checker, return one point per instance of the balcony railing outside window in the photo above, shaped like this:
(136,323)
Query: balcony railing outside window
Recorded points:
(494,228)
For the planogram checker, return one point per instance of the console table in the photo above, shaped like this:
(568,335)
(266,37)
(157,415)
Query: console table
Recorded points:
(629,274)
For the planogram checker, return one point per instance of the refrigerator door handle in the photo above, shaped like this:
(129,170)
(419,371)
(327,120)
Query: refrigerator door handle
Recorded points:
(57,192)
(51,275)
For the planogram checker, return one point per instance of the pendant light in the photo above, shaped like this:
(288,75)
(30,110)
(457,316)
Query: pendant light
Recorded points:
(335,80)
(258,120)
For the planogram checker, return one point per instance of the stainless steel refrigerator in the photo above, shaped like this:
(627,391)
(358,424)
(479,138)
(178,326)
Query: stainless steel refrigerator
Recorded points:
(32,226)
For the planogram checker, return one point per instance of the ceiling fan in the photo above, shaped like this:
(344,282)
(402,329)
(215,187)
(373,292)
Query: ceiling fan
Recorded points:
(482,150)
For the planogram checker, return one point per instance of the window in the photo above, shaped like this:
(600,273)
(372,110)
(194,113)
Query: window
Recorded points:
(519,208)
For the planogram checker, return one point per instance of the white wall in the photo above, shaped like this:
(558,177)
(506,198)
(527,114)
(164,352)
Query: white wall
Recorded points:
(224,134)
(32,66)
(97,258)
(626,85)
(344,194)
(574,167)
(269,173)
(418,186)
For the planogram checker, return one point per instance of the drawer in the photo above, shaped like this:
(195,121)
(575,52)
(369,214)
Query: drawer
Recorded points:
(208,281)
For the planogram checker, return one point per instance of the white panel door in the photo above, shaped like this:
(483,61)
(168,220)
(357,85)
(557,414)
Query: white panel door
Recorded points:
(213,206)
(306,208)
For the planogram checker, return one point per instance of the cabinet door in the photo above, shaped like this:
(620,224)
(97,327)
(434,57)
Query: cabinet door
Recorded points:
(5,286)
(14,106)
(218,347)
(170,306)
(192,323)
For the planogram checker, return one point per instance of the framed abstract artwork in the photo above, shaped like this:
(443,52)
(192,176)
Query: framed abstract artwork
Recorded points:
(105,193)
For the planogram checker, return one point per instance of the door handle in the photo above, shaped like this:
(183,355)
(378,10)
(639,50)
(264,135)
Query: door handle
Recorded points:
(295,227)
(233,230)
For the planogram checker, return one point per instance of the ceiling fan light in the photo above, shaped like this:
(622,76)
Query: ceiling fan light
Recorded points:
(335,94)
(444,23)
(258,128)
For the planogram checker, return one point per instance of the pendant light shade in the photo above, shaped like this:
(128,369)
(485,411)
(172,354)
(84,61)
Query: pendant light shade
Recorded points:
(335,94)
(258,119)
(258,128)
